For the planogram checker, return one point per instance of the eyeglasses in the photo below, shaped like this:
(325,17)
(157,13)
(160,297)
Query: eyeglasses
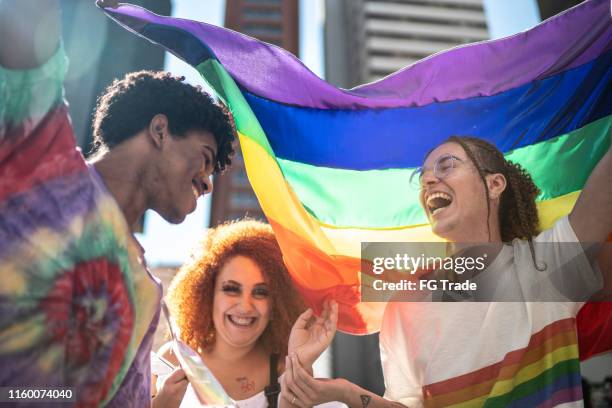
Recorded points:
(442,167)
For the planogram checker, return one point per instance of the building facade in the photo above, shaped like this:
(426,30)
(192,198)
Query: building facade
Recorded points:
(366,40)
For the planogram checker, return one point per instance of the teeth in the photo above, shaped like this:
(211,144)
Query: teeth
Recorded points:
(438,195)
(196,193)
(437,210)
(241,321)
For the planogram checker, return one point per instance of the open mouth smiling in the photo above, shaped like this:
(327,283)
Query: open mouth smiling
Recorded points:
(242,321)
(197,186)
(437,202)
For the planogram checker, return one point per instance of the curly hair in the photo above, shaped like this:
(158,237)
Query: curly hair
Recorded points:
(128,105)
(518,213)
(191,293)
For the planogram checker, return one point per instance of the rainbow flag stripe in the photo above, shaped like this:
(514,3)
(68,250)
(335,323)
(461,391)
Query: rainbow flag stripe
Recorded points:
(330,166)
(546,371)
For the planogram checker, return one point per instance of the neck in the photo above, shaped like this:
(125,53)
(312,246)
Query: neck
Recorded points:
(468,237)
(120,171)
(230,354)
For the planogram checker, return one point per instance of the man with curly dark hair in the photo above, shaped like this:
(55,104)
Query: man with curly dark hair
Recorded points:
(78,307)
(158,140)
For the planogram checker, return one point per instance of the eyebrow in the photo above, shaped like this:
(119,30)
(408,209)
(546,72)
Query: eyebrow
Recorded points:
(231,281)
(240,284)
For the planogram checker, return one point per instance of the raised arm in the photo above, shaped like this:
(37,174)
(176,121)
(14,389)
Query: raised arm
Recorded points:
(311,335)
(591,218)
(30,31)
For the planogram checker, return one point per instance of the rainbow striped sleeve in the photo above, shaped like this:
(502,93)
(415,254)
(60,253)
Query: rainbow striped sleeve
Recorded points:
(330,167)
(75,303)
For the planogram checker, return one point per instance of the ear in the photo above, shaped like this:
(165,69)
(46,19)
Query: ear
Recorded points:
(158,130)
(497,184)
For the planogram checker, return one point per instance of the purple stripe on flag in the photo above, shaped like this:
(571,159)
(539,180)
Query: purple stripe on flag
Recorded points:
(565,41)
(563,396)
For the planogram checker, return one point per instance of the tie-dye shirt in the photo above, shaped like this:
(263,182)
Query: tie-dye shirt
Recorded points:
(78,308)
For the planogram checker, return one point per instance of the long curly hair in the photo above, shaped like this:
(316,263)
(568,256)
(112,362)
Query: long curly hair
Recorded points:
(518,213)
(191,293)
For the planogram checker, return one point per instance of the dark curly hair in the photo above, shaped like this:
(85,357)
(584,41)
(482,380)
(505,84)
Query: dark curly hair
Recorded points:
(518,213)
(128,105)
(191,293)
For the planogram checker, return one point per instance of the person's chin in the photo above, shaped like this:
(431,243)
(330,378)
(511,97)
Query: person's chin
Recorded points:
(243,340)
(183,213)
(174,217)
(443,228)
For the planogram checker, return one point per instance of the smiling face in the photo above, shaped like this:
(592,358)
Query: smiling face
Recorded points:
(241,305)
(185,165)
(455,204)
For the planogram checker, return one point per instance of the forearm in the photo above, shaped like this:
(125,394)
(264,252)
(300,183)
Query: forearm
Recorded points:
(356,397)
(591,218)
(30,32)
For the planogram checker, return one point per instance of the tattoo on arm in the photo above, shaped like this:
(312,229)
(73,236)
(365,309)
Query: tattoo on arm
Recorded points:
(365,400)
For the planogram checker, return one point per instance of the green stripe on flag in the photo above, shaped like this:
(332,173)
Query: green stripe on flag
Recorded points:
(569,368)
(227,90)
(384,198)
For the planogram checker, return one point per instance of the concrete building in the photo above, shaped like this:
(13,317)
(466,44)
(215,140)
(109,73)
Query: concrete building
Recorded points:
(549,8)
(275,22)
(366,40)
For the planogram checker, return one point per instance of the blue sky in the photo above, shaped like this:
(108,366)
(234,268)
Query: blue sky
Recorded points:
(167,244)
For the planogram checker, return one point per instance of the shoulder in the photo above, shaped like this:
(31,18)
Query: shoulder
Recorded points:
(561,231)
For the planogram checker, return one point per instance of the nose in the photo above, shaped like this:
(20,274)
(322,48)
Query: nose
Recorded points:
(428,178)
(246,302)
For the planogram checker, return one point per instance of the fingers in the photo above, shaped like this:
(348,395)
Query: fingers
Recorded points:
(176,377)
(292,400)
(295,394)
(172,389)
(325,312)
(306,383)
(303,320)
(332,322)
(107,3)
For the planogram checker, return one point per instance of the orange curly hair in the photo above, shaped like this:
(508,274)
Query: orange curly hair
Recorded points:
(191,293)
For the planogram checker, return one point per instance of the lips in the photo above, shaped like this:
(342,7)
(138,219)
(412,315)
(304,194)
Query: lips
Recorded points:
(197,186)
(241,321)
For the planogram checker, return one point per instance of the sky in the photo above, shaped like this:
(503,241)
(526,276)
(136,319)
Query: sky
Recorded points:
(167,244)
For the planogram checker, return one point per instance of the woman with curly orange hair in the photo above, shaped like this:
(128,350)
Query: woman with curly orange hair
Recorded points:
(234,304)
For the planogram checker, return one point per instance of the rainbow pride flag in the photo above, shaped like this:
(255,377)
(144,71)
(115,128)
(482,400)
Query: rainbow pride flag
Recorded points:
(330,167)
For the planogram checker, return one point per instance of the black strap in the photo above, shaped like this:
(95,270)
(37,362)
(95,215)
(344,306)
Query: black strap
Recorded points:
(273,389)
